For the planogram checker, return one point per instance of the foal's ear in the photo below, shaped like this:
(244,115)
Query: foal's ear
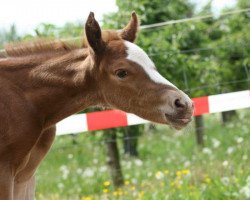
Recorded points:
(129,32)
(94,34)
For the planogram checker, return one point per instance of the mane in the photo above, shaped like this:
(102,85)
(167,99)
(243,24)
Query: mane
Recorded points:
(39,46)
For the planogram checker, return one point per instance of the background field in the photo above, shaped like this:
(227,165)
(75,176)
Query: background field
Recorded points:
(170,165)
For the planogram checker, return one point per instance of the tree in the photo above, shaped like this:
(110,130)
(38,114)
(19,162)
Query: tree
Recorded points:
(233,56)
(9,35)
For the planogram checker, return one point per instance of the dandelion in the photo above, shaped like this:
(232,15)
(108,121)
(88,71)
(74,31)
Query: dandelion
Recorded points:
(166,172)
(207,180)
(132,188)
(185,171)
(106,183)
(105,191)
(178,173)
(120,192)
(126,182)
(115,193)
(140,194)
(86,198)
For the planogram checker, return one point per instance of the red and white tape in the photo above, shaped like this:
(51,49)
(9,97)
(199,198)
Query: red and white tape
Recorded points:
(115,118)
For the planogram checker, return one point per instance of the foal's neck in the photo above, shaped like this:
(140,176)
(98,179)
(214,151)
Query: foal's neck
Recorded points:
(63,86)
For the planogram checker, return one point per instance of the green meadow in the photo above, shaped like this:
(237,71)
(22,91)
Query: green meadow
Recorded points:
(170,165)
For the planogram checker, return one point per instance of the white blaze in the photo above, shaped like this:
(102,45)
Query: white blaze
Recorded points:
(137,55)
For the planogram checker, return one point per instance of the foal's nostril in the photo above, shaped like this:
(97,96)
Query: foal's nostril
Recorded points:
(179,104)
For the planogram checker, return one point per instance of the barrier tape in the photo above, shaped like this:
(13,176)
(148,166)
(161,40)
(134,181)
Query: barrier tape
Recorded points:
(116,118)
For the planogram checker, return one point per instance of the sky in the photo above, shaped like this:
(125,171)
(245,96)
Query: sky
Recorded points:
(27,14)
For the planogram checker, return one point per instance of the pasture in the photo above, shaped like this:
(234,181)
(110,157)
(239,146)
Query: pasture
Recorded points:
(170,165)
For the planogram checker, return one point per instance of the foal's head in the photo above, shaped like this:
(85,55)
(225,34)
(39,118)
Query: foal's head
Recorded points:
(128,80)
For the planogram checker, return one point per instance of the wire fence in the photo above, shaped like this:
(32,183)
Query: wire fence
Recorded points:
(172,22)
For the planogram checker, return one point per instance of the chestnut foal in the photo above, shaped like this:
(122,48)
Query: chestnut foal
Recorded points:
(43,82)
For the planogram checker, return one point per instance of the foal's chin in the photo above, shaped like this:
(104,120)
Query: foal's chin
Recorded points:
(178,124)
(175,123)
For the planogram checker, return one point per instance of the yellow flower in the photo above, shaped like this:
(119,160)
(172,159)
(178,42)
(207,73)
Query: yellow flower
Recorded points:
(185,171)
(115,193)
(207,180)
(140,194)
(132,188)
(166,172)
(126,182)
(120,192)
(106,183)
(105,191)
(86,198)
(178,173)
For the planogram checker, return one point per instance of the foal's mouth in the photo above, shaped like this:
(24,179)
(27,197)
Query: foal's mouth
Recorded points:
(178,122)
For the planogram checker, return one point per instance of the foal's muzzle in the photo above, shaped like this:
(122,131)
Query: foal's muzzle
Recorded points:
(180,109)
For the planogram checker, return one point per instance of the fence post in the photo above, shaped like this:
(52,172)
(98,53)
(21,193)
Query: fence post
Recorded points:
(113,158)
(199,130)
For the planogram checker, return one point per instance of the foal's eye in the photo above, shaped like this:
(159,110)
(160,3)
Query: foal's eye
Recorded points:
(121,73)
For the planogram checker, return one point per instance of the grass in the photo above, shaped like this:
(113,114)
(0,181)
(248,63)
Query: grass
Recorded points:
(170,165)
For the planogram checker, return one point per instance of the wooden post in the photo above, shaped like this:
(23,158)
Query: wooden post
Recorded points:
(227,116)
(199,130)
(130,140)
(114,158)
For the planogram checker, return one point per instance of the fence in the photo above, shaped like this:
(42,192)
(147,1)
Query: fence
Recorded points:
(112,119)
